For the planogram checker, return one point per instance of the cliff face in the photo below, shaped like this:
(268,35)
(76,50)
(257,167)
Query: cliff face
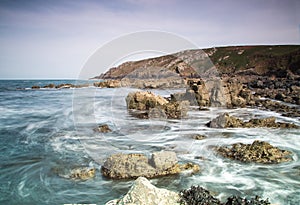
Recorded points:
(277,61)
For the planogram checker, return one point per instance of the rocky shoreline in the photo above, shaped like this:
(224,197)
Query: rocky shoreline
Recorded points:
(268,80)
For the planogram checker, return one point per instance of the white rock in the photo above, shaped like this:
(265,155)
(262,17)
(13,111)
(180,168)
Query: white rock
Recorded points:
(144,193)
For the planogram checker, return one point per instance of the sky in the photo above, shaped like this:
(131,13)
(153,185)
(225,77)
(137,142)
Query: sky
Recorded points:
(55,39)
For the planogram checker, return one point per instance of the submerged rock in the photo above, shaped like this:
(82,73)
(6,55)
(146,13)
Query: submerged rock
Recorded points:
(82,173)
(226,121)
(155,106)
(258,151)
(103,128)
(124,166)
(144,193)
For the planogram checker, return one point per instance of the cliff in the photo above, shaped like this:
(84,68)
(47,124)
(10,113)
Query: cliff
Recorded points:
(278,61)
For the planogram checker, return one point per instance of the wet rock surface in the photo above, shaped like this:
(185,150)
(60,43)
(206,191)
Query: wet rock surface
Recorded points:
(80,173)
(258,152)
(226,121)
(126,166)
(143,192)
(103,129)
(155,106)
(197,195)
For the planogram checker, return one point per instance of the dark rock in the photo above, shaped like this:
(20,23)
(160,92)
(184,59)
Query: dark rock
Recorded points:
(258,151)
(35,87)
(51,85)
(197,195)
(236,200)
(103,128)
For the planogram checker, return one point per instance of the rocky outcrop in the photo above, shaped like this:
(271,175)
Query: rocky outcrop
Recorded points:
(230,93)
(126,166)
(154,106)
(226,121)
(103,129)
(258,151)
(61,86)
(108,84)
(144,193)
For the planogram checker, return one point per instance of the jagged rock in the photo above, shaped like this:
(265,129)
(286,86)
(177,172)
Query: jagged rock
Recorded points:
(156,106)
(103,128)
(144,193)
(226,121)
(197,196)
(123,166)
(258,151)
(144,100)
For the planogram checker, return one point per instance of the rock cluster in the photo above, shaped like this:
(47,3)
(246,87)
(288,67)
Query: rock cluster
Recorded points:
(126,166)
(155,106)
(258,151)
(197,195)
(215,93)
(144,193)
(226,121)
(60,86)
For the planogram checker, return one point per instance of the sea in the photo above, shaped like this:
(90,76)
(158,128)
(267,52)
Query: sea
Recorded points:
(47,132)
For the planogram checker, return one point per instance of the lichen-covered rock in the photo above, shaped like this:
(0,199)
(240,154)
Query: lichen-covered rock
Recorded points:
(103,128)
(126,166)
(226,121)
(155,106)
(144,193)
(258,151)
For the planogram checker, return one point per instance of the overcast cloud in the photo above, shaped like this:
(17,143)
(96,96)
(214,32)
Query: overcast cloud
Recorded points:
(54,39)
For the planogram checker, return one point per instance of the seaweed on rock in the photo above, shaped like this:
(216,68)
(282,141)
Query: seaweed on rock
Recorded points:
(197,195)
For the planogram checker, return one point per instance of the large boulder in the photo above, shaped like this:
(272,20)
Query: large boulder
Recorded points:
(258,151)
(144,100)
(155,106)
(226,121)
(126,166)
(144,193)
